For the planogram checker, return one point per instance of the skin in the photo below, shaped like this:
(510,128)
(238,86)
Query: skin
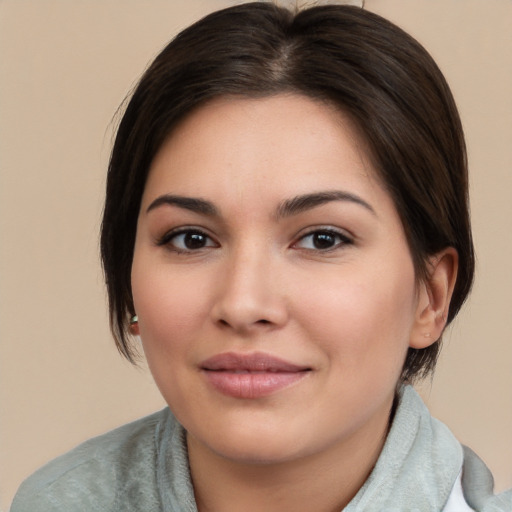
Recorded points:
(259,280)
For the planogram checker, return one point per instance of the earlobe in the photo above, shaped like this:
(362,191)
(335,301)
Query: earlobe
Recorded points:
(134,326)
(434,296)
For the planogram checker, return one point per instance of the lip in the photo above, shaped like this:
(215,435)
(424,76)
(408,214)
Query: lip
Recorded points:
(251,376)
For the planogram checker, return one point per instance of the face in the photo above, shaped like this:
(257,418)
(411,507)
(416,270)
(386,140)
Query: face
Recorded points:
(272,279)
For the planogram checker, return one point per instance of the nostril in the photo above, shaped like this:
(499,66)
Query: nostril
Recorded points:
(263,321)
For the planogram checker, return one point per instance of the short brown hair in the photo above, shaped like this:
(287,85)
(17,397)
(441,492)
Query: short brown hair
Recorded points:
(358,61)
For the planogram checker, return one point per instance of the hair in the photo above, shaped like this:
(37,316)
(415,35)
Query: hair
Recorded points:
(370,69)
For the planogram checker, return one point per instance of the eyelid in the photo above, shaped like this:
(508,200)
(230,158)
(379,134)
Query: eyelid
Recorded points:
(166,238)
(345,238)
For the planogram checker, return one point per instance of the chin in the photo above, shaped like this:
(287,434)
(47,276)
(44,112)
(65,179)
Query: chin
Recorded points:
(260,451)
(256,442)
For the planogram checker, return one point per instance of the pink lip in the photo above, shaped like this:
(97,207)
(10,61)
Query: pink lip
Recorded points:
(251,376)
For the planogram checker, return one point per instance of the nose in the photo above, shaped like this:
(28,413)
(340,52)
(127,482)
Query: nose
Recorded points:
(251,297)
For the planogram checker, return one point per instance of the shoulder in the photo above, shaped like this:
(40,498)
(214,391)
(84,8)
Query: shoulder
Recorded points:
(478,486)
(99,474)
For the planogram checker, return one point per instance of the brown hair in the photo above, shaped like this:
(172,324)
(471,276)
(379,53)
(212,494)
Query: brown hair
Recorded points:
(366,66)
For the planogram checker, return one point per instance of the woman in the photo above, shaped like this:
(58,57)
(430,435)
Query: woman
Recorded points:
(286,227)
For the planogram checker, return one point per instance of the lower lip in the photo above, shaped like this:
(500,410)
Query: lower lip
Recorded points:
(252,385)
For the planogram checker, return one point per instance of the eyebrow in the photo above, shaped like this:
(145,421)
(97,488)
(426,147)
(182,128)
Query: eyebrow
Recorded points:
(287,208)
(193,204)
(305,202)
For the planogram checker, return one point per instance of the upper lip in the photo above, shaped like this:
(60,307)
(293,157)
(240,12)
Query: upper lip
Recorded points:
(256,362)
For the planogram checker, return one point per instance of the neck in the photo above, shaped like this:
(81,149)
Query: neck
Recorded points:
(323,482)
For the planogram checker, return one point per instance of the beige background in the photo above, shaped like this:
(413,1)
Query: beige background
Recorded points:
(65,66)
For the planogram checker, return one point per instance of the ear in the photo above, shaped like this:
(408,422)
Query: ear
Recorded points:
(434,296)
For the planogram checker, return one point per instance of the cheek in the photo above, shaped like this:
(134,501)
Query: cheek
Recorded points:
(171,306)
(172,310)
(362,319)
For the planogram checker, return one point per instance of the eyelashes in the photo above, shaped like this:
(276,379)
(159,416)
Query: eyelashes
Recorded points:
(188,240)
(185,240)
(323,240)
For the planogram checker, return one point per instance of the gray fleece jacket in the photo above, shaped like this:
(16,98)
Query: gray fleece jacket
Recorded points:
(143,467)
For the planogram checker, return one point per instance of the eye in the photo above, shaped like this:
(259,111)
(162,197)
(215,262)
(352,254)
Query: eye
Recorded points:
(322,240)
(186,240)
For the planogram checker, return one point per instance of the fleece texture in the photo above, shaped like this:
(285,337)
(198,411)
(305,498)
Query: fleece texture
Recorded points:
(143,466)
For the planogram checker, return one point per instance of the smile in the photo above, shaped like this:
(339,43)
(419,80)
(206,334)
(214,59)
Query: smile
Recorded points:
(251,376)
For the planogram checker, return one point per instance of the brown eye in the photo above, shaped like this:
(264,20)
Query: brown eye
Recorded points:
(194,240)
(187,240)
(322,240)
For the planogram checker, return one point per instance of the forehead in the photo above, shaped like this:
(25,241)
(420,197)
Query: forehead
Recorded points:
(286,140)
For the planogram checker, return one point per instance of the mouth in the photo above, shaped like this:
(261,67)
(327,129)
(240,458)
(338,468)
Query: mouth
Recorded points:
(251,376)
